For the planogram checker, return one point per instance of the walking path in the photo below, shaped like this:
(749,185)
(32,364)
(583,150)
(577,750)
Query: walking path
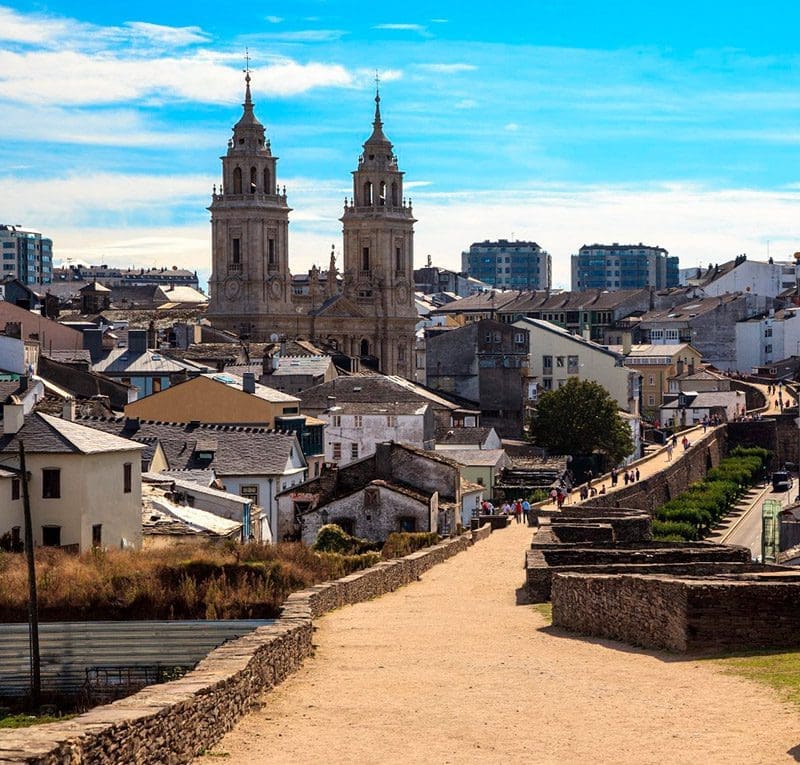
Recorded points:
(451,670)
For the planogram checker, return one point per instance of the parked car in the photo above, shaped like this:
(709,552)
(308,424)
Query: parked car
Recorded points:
(781,480)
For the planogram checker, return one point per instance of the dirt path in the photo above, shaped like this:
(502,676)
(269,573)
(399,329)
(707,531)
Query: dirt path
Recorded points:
(450,670)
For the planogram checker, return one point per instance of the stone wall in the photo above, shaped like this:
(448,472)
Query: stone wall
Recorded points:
(566,531)
(650,493)
(173,722)
(629,525)
(683,615)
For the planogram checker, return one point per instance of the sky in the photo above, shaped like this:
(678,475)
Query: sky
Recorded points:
(565,123)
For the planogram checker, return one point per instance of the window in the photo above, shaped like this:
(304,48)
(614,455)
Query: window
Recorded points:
(337,451)
(51,483)
(127,477)
(337,421)
(358,420)
(560,361)
(547,362)
(271,252)
(408,524)
(236,250)
(398,260)
(651,380)
(51,536)
(365,259)
(249,492)
(768,332)
(768,349)
(401,353)
(573,366)
(547,383)
(391,420)
(656,335)
(353,451)
(252,180)
(15,488)
(267,189)
(367,193)
(156,385)
(97,534)
(237,180)
(371,498)
(651,400)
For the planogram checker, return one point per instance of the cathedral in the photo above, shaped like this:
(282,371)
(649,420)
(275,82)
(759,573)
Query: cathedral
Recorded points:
(369,313)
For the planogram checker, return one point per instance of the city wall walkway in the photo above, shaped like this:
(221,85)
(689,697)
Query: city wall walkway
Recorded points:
(451,670)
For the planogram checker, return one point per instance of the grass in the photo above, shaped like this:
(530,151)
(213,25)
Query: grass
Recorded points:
(25,721)
(545,610)
(780,671)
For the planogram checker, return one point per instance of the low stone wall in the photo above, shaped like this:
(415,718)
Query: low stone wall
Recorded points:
(566,531)
(544,561)
(680,614)
(171,723)
(628,524)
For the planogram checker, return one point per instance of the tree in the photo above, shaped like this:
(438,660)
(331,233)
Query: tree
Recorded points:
(578,419)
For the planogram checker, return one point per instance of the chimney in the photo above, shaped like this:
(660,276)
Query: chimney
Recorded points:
(68,410)
(137,341)
(13,418)
(131,424)
(383,460)
(23,383)
(626,343)
(249,382)
(93,342)
(266,364)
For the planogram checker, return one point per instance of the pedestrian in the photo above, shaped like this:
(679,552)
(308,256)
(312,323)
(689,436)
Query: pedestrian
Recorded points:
(614,475)
(560,499)
(603,489)
(674,439)
(627,479)
(637,473)
(685,443)
(705,423)
(669,452)
(553,495)
(506,508)
(526,511)
(518,511)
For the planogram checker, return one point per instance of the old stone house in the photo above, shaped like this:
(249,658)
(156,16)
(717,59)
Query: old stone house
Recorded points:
(399,488)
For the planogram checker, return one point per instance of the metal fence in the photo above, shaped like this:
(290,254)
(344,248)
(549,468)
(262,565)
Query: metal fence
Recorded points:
(72,652)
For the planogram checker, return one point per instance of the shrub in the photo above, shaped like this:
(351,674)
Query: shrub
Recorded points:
(401,543)
(663,530)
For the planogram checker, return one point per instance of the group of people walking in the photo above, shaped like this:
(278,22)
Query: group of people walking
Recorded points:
(629,476)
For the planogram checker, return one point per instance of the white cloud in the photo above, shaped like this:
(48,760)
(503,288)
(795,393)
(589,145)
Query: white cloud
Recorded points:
(511,127)
(30,28)
(448,68)
(401,27)
(274,19)
(167,36)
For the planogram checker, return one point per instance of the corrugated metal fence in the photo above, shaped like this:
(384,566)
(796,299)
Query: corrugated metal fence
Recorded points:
(105,652)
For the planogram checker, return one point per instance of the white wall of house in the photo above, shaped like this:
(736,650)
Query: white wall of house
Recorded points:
(12,355)
(92,492)
(757,277)
(357,435)
(470,500)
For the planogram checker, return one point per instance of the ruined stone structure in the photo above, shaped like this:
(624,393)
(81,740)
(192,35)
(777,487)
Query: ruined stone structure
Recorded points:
(373,316)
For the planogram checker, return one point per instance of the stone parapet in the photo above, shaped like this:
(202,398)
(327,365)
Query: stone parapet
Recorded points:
(173,722)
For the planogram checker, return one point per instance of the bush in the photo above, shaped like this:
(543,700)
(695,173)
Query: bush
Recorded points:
(401,543)
(332,538)
(672,530)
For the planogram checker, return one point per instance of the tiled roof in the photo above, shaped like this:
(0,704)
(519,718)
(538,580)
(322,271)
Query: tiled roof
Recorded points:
(492,300)
(240,450)
(44,433)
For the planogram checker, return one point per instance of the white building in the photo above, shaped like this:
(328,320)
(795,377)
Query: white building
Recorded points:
(354,429)
(557,355)
(85,486)
(766,339)
(743,275)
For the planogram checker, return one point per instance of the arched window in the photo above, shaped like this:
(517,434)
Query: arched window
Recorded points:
(395,200)
(267,186)
(382,197)
(253,180)
(237,180)
(365,347)
(368,193)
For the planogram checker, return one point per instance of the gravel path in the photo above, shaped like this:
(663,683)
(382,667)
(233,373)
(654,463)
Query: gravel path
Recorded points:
(451,670)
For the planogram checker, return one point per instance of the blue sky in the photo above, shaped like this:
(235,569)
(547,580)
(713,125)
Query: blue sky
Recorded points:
(565,123)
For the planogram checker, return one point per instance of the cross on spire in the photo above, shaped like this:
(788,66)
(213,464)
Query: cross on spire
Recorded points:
(247,61)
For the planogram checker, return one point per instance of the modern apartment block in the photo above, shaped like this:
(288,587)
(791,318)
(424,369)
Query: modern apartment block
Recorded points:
(509,265)
(26,255)
(623,266)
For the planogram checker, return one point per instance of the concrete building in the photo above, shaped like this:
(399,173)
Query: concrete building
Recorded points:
(708,324)
(85,486)
(556,356)
(764,340)
(111,276)
(690,408)
(26,255)
(251,291)
(623,266)
(50,335)
(432,280)
(484,362)
(513,265)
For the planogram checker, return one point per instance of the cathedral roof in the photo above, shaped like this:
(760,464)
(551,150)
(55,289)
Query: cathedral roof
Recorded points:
(248,118)
(378,138)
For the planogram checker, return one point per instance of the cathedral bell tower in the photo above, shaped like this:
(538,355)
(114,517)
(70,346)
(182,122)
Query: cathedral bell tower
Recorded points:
(249,231)
(378,228)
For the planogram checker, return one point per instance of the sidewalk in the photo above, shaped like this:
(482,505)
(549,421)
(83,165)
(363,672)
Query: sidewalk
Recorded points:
(451,670)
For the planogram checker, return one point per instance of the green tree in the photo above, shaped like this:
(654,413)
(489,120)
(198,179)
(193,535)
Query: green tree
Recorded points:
(580,418)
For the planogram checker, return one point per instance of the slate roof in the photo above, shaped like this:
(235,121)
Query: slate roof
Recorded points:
(492,300)
(478,457)
(123,361)
(688,310)
(383,408)
(466,436)
(372,389)
(566,334)
(262,391)
(68,357)
(239,450)
(44,433)
(710,399)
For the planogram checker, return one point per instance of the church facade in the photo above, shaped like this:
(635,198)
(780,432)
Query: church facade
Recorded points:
(369,313)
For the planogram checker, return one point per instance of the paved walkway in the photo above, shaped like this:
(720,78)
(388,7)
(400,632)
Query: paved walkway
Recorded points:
(451,670)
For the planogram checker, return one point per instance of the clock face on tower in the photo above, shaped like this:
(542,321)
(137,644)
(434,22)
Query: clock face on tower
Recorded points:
(232,287)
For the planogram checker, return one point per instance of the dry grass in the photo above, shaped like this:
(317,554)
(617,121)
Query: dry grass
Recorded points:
(191,582)
(778,670)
